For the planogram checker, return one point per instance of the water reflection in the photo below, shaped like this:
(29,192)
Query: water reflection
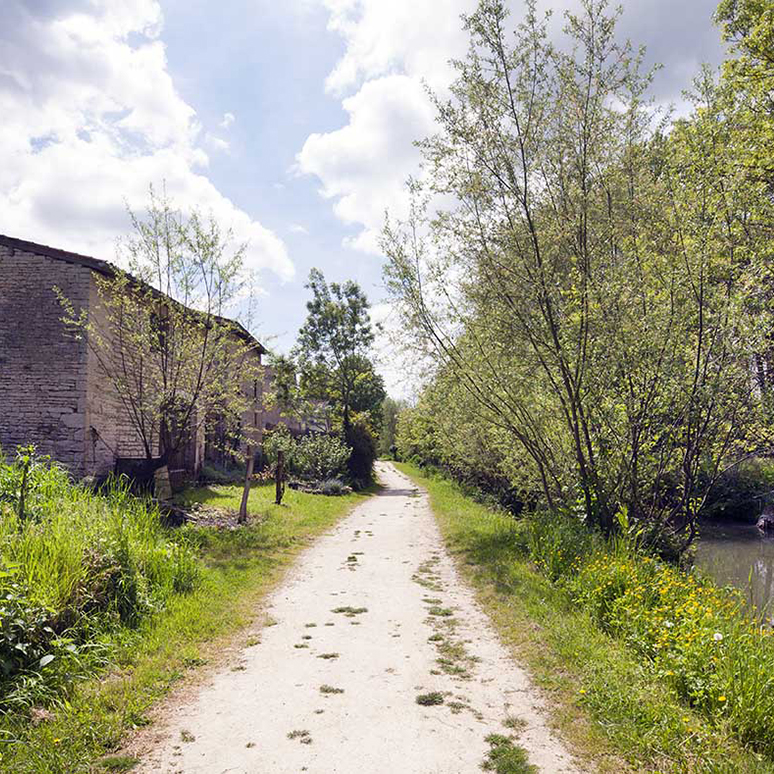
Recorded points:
(738,555)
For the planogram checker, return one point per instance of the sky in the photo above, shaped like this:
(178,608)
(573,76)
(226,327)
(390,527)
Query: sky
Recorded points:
(292,122)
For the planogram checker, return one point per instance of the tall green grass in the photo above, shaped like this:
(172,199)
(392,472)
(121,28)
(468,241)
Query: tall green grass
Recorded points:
(238,568)
(78,571)
(625,645)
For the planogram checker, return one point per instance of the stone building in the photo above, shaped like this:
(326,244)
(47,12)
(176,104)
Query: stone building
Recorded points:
(53,393)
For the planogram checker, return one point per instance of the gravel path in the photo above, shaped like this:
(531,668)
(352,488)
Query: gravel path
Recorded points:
(373,616)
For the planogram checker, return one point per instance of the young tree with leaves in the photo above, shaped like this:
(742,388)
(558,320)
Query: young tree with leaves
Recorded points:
(334,345)
(172,360)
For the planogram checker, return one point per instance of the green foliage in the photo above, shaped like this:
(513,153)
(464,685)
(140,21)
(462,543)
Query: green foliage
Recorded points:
(215,473)
(315,457)
(701,639)
(587,297)
(743,491)
(361,441)
(78,567)
(333,348)
(390,411)
(320,456)
(506,757)
(278,440)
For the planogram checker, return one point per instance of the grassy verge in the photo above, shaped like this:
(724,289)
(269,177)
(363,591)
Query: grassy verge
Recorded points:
(237,569)
(610,703)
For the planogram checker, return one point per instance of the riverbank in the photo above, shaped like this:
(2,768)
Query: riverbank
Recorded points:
(609,700)
(737,554)
(80,731)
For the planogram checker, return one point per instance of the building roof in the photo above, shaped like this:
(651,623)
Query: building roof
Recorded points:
(108,270)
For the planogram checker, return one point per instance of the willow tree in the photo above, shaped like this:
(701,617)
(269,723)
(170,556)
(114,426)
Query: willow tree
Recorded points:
(175,366)
(567,287)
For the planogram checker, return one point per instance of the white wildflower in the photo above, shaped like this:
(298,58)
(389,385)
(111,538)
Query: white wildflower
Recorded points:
(717,637)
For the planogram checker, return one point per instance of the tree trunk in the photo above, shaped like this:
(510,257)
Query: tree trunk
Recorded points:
(246,491)
(279,478)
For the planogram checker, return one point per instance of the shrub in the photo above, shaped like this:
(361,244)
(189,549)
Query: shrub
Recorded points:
(213,473)
(321,456)
(557,543)
(332,486)
(701,639)
(363,455)
(743,491)
(278,440)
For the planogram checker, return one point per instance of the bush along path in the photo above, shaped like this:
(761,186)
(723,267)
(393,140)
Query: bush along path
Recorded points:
(374,658)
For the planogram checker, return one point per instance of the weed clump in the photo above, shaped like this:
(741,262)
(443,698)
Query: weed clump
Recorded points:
(430,699)
(350,611)
(505,757)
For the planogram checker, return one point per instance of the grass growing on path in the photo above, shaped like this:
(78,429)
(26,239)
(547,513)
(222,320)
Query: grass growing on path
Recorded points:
(238,568)
(609,703)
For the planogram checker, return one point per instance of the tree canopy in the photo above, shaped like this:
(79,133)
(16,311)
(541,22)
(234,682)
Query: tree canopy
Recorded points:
(588,295)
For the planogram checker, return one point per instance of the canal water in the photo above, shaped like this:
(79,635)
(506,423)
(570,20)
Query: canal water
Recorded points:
(738,555)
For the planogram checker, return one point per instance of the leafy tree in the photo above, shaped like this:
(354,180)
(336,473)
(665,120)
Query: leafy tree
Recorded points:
(158,334)
(333,347)
(580,296)
(361,441)
(390,411)
(369,393)
(742,110)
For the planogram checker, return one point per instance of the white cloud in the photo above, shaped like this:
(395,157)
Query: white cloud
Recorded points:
(401,36)
(364,165)
(393,46)
(393,52)
(228,119)
(217,143)
(91,117)
(297,228)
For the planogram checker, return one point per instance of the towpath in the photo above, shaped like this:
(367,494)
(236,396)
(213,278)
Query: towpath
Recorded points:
(373,617)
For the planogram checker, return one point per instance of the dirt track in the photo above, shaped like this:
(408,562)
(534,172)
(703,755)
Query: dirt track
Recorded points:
(385,567)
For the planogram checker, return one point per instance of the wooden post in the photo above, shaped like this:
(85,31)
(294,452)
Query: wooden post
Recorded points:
(246,491)
(279,477)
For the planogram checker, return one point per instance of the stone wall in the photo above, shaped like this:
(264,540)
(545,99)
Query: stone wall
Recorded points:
(109,432)
(43,367)
(53,391)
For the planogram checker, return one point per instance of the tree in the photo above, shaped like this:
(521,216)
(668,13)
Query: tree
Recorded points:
(391,410)
(333,347)
(173,361)
(742,108)
(578,295)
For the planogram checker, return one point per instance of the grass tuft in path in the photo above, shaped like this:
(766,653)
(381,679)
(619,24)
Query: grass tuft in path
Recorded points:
(430,699)
(506,757)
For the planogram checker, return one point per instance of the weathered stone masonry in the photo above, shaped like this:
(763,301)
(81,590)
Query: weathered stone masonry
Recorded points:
(43,369)
(52,392)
